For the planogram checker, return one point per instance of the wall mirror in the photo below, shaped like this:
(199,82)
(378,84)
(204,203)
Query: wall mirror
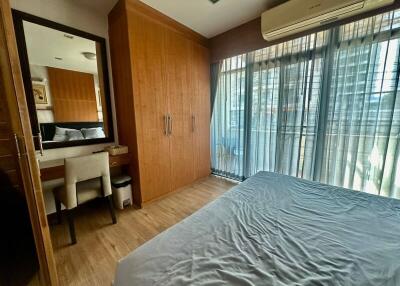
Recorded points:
(66,83)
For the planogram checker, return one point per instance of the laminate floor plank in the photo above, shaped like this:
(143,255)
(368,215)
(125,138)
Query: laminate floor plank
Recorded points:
(93,259)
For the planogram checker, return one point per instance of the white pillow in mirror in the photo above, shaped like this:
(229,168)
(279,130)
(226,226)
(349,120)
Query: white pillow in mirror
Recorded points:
(93,133)
(61,134)
(73,135)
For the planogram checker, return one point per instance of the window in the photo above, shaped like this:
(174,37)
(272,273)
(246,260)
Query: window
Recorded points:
(324,107)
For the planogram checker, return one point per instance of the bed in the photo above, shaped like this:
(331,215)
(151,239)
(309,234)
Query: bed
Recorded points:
(275,230)
(47,130)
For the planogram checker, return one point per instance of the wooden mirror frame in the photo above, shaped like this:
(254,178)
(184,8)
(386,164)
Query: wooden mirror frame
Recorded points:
(18,18)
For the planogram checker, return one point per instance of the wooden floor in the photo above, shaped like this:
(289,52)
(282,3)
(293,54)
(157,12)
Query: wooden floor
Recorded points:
(92,260)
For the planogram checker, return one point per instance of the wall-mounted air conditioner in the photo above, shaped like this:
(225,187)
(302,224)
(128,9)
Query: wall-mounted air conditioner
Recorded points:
(296,16)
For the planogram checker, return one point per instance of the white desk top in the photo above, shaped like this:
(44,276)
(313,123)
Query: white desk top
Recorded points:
(51,163)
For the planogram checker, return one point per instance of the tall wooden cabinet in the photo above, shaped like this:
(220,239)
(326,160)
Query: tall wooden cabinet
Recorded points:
(162,97)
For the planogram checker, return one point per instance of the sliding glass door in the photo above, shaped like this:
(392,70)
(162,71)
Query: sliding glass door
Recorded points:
(286,90)
(323,107)
(227,133)
(266,109)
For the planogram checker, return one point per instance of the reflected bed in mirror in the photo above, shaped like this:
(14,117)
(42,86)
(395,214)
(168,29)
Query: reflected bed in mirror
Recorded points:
(66,83)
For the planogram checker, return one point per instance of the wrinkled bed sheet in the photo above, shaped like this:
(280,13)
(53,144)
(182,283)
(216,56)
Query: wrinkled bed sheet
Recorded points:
(275,230)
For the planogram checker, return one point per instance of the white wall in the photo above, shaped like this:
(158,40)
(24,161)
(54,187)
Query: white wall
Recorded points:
(99,104)
(66,12)
(74,15)
(70,13)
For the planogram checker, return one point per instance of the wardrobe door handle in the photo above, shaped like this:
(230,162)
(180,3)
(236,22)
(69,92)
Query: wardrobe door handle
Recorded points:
(16,139)
(193,123)
(170,124)
(166,118)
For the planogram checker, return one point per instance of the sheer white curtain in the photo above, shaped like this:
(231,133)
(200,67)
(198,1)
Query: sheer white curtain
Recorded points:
(227,131)
(324,107)
(361,136)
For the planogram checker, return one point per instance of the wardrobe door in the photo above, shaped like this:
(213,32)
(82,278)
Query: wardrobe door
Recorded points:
(23,213)
(200,108)
(151,105)
(177,50)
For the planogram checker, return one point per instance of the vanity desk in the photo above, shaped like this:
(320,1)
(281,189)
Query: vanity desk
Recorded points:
(54,169)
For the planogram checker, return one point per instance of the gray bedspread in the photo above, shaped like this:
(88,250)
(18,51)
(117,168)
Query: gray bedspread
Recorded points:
(275,230)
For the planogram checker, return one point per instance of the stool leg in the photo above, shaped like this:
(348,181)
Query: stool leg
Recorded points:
(111,208)
(58,210)
(70,219)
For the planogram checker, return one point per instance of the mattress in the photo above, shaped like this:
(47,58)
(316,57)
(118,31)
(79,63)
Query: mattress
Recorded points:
(275,230)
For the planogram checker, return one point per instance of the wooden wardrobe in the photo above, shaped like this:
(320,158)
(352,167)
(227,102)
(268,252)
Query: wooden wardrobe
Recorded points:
(161,75)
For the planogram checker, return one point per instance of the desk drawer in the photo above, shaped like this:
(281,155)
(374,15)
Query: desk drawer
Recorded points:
(119,160)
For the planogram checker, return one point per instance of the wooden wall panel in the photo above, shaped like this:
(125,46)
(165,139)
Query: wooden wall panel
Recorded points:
(73,96)
(154,15)
(123,90)
(239,40)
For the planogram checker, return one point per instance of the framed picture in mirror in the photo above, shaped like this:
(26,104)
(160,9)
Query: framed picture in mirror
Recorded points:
(39,93)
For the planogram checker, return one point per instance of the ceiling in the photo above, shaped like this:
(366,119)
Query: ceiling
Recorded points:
(99,6)
(211,19)
(45,44)
(200,15)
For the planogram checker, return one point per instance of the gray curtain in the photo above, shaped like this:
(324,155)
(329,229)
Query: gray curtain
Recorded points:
(286,92)
(215,71)
(323,107)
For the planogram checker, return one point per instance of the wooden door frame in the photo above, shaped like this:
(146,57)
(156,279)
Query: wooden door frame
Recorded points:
(30,175)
